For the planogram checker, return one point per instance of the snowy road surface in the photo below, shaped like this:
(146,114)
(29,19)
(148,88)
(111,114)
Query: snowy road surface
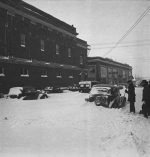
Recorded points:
(64,125)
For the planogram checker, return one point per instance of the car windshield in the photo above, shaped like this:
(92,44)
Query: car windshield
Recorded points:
(100,90)
(27,89)
(48,88)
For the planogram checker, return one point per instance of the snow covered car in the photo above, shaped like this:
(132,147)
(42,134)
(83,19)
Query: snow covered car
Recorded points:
(15,92)
(54,89)
(107,96)
(26,93)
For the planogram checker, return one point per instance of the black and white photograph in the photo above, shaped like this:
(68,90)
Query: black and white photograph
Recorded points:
(74,78)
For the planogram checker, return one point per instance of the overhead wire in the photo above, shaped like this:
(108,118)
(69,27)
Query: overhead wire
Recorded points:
(129,31)
(120,46)
(136,41)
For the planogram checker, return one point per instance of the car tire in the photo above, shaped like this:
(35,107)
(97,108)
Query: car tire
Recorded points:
(96,103)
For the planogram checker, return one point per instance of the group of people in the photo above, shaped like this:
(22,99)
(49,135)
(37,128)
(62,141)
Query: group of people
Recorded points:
(145,97)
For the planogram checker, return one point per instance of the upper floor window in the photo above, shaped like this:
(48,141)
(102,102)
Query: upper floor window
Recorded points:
(124,74)
(43,73)
(22,40)
(130,73)
(42,45)
(2,71)
(81,60)
(0,44)
(69,52)
(24,72)
(70,75)
(57,49)
(59,74)
(119,73)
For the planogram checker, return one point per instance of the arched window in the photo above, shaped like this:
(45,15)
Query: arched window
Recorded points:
(42,39)
(2,36)
(21,41)
(81,58)
(42,45)
(69,52)
(22,36)
(57,49)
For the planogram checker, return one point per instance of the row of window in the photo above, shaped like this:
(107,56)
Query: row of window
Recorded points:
(25,72)
(57,48)
(23,44)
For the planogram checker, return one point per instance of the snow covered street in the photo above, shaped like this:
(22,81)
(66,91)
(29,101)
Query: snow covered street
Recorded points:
(64,125)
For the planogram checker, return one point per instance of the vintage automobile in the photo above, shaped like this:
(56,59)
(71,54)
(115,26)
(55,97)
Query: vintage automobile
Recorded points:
(85,86)
(106,95)
(54,89)
(30,93)
(26,93)
(15,92)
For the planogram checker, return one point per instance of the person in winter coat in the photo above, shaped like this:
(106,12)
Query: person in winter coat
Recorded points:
(131,95)
(146,98)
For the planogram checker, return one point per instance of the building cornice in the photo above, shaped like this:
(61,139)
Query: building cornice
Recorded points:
(85,47)
(110,63)
(35,19)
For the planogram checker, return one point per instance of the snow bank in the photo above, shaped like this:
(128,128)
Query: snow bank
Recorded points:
(65,125)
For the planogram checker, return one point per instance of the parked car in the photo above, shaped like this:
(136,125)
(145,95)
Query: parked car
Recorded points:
(54,89)
(26,93)
(107,96)
(85,86)
(30,93)
(15,92)
(73,87)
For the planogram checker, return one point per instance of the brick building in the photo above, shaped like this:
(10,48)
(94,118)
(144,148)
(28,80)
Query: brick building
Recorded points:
(38,49)
(107,71)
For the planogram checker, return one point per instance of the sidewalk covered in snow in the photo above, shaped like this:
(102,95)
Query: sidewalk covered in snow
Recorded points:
(65,125)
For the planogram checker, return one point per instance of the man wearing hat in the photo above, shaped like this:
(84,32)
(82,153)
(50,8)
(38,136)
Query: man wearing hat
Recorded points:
(146,98)
(131,95)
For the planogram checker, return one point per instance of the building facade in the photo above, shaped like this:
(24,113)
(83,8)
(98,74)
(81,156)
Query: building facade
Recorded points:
(38,49)
(107,71)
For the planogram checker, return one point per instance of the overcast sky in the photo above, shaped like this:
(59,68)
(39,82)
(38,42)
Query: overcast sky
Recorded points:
(103,23)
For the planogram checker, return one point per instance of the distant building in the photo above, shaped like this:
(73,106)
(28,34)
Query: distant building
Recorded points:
(37,49)
(107,71)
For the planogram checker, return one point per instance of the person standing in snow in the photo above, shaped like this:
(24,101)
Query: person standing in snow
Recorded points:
(146,98)
(131,95)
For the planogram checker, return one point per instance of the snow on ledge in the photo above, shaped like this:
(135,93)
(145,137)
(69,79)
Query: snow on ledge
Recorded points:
(44,76)
(59,76)
(24,75)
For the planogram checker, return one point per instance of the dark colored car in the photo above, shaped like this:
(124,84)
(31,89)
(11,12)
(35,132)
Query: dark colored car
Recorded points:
(54,89)
(30,93)
(107,96)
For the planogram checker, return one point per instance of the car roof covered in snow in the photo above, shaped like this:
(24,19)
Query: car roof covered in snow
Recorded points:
(106,85)
(87,82)
(13,88)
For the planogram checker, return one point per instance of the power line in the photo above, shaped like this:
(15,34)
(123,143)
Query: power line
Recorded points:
(135,59)
(122,46)
(129,31)
(136,41)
